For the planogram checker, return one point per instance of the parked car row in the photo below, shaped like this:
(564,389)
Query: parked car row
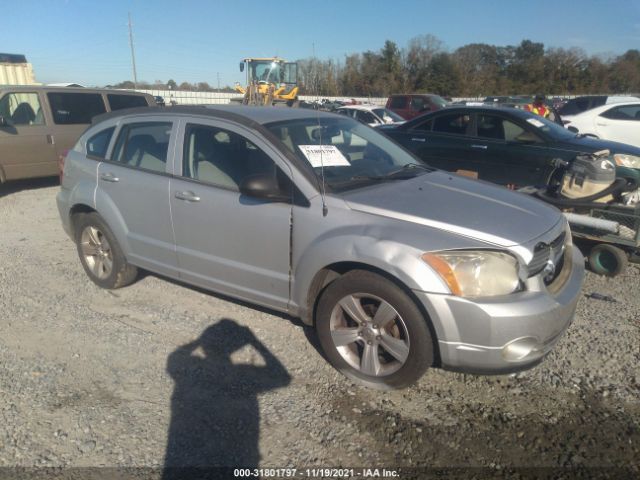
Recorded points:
(400,266)
(501,145)
(409,106)
(579,105)
(619,122)
(606,117)
(372,115)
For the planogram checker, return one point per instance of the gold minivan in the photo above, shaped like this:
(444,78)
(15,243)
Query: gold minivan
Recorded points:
(39,123)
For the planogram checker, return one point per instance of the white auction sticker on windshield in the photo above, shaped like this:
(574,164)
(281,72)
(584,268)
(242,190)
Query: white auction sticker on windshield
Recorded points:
(535,122)
(327,155)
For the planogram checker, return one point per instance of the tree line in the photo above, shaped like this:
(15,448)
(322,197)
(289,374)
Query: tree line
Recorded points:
(473,70)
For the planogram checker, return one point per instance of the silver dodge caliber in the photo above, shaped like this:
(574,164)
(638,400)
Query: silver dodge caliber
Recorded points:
(397,265)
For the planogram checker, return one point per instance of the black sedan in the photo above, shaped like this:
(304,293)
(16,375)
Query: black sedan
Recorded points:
(500,145)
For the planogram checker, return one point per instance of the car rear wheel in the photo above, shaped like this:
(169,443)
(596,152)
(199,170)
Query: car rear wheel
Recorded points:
(371,331)
(100,254)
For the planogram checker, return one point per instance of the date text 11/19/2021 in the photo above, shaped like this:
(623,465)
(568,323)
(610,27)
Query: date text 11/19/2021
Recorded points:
(315,473)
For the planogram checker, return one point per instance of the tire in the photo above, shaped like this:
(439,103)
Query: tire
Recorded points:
(393,356)
(605,259)
(100,253)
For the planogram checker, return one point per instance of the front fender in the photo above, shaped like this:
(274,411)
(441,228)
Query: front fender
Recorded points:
(364,245)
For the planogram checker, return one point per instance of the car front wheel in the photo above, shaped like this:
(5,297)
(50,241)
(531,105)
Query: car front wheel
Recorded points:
(372,332)
(100,254)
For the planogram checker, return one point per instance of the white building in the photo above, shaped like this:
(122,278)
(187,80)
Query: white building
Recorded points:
(15,70)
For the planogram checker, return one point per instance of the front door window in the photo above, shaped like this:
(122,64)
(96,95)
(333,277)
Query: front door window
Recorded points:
(222,158)
(21,109)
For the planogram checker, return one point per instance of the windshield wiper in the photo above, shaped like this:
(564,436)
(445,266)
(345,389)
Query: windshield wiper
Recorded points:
(404,172)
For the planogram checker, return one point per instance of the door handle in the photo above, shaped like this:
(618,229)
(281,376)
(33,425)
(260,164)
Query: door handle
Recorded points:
(602,124)
(109,177)
(480,147)
(187,196)
(416,139)
(50,139)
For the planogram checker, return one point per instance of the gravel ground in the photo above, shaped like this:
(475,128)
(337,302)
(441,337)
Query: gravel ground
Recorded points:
(141,375)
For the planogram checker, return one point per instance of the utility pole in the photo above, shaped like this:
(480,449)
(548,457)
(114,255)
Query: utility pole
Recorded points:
(218,74)
(133,56)
(314,72)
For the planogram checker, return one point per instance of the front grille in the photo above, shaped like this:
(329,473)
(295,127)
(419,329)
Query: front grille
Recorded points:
(541,255)
(543,252)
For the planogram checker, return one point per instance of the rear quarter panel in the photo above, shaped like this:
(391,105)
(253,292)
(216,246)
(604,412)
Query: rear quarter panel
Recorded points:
(78,186)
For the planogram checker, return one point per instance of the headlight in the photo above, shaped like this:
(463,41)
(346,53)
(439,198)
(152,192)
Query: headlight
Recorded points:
(624,160)
(476,273)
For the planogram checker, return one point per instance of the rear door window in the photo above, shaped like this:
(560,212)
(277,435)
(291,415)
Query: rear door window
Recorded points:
(222,158)
(398,102)
(570,108)
(366,117)
(627,112)
(498,128)
(98,144)
(75,108)
(583,104)
(143,145)
(119,102)
(418,104)
(453,123)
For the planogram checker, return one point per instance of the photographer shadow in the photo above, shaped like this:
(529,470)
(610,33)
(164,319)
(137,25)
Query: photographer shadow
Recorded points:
(17,186)
(215,419)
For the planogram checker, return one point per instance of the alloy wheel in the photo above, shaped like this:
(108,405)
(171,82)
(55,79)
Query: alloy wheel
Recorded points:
(96,252)
(369,334)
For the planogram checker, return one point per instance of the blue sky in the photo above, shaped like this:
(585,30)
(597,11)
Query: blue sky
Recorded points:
(194,40)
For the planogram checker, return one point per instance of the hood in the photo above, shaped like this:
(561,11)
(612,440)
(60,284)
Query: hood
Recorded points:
(466,207)
(590,145)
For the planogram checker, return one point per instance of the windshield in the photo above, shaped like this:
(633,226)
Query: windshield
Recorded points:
(552,129)
(265,71)
(353,154)
(438,100)
(388,116)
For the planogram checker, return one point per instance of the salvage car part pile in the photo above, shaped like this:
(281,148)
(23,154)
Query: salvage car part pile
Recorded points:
(601,208)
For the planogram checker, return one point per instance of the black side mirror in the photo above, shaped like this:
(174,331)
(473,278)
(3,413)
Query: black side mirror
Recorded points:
(3,121)
(572,129)
(242,66)
(263,186)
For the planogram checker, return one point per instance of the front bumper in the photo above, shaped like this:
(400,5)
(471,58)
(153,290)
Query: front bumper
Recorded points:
(508,333)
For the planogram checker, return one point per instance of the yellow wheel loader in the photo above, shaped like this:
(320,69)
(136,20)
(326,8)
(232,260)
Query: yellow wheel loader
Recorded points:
(270,81)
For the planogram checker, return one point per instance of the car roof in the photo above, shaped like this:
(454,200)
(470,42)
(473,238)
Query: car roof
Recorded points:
(512,111)
(242,114)
(488,108)
(414,95)
(622,99)
(605,107)
(368,108)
